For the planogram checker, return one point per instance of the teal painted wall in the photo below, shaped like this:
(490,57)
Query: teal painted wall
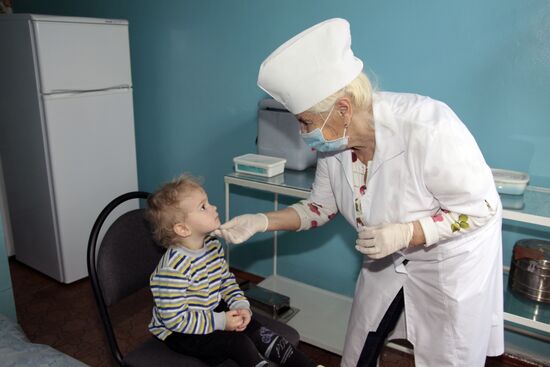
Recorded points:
(194,67)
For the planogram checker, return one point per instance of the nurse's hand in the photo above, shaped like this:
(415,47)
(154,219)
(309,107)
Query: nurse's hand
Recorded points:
(380,241)
(241,228)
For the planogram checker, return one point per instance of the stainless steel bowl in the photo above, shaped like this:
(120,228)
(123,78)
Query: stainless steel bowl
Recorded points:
(530,269)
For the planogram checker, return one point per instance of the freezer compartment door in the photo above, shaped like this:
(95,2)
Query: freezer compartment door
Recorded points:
(81,56)
(93,160)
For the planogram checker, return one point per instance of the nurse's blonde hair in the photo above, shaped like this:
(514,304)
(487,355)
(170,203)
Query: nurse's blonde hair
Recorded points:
(359,90)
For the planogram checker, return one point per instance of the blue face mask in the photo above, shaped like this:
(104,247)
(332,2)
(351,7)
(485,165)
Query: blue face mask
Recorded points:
(317,141)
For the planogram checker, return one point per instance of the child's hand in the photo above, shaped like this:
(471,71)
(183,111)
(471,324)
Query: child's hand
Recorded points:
(246,315)
(233,320)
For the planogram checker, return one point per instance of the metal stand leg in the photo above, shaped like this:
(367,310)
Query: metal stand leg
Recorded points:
(275,207)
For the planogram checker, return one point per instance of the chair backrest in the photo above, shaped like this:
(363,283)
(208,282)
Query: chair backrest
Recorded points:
(127,256)
(125,260)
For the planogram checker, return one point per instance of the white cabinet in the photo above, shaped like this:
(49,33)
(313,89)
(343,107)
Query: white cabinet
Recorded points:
(323,315)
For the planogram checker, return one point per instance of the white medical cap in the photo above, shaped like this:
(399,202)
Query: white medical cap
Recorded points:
(311,66)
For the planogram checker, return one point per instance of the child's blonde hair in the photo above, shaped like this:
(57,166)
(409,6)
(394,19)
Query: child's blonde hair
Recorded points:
(164,211)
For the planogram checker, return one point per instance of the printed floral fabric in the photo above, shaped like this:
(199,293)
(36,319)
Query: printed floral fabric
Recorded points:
(313,214)
(445,224)
(360,173)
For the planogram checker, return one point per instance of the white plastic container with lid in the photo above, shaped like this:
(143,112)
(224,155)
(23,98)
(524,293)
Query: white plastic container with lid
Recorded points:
(510,182)
(260,165)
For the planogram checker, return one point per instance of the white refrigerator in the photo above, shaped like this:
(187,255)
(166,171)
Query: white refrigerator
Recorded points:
(67,142)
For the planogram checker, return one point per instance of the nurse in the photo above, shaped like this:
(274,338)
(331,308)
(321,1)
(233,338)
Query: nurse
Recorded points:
(410,179)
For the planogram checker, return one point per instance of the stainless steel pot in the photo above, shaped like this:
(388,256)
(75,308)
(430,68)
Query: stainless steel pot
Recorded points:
(530,269)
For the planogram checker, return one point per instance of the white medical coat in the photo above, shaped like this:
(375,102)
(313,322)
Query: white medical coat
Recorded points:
(425,159)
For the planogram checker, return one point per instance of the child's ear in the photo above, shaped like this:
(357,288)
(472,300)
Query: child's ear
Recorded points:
(182,230)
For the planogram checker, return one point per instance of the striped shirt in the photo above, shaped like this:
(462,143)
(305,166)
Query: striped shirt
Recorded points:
(187,286)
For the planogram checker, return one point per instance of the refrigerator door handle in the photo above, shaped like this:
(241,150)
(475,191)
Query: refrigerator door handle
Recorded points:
(76,91)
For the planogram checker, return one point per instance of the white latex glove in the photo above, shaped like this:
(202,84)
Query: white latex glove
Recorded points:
(241,228)
(380,241)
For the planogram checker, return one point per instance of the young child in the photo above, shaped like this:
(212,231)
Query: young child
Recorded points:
(199,308)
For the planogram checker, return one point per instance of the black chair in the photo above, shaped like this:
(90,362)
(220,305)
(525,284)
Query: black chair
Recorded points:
(121,267)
